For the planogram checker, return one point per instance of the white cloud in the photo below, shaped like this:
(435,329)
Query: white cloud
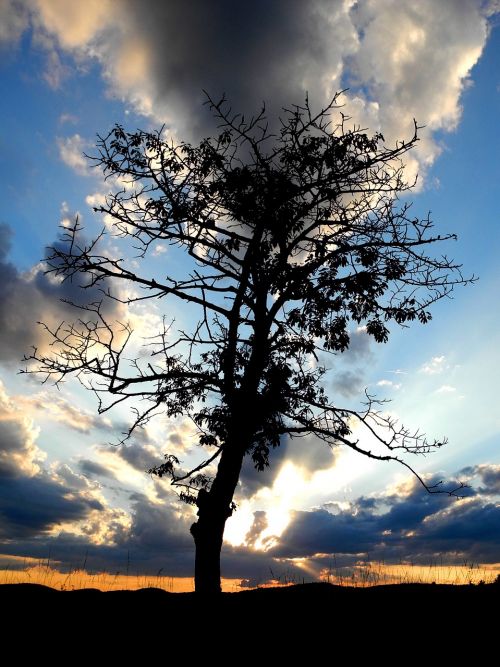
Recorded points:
(435,366)
(68,216)
(19,453)
(159,249)
(68,118)
(74,24)
(71,151)
(51,405)
(416,57)
(388,383)
(96,199)
(446,389)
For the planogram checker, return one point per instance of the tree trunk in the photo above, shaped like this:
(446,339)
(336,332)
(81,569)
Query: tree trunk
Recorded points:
(214,508)
(208,533)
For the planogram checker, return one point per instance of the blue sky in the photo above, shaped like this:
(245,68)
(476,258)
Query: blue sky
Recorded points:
(68,74)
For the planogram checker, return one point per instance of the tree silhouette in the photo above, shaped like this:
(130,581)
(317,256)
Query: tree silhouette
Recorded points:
(289,238)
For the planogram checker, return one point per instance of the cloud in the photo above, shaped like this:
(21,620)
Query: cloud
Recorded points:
(408,524)
(33,506)
(153,537)
(60,510)
(349,378)
(161,531)
(139,457)
(68,118)
(309,453)
(92,469)
(258,526)
(226,48)
(416,60)
(435,366)
(401,60)
(71,150)
(159,250)
(55,70)
(349,383)
(19,454)
(53,406)
(32,296)
(446,389)
(36,500)
(389,384)
(96,199)
(488,473)
(360,346)
(73,24)
(14,18)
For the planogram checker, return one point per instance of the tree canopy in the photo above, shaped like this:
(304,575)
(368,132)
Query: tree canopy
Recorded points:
(291,237)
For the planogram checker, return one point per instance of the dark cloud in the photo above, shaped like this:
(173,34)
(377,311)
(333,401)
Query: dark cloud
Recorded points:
(489,475)
(390,529)
(348,376)
(31,506)
(158,539)
(319,531)
(491,479)
(141,457)
(403,524)
(250,51)
(33,499)
(349,384)
(93,469)
(36,501)
(258,526)
(26,298)
(6,235)
(360,346)
(470,530)
(162,531)
(417,526)
(158,56)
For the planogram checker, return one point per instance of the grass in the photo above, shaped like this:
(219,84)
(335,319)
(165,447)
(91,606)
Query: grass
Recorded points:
(362,574)
(379,573)
(75,579)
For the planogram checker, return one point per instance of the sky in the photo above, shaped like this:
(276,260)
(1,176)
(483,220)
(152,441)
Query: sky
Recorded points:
(70,70)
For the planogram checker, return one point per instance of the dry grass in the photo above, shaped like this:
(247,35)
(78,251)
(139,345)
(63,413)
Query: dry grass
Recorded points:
(379,573)
(78,578)
(41,572)
(361,575)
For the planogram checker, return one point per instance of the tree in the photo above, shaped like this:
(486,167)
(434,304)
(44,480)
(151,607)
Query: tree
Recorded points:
(291,237)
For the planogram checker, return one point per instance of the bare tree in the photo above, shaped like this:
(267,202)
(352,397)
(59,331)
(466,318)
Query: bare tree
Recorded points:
(289,238)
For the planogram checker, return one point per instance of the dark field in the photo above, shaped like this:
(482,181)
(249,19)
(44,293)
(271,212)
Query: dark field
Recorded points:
(400,624)
(289,600)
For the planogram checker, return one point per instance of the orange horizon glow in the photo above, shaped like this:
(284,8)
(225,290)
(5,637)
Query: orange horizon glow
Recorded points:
(375,574)
(363,575)
(103,581)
